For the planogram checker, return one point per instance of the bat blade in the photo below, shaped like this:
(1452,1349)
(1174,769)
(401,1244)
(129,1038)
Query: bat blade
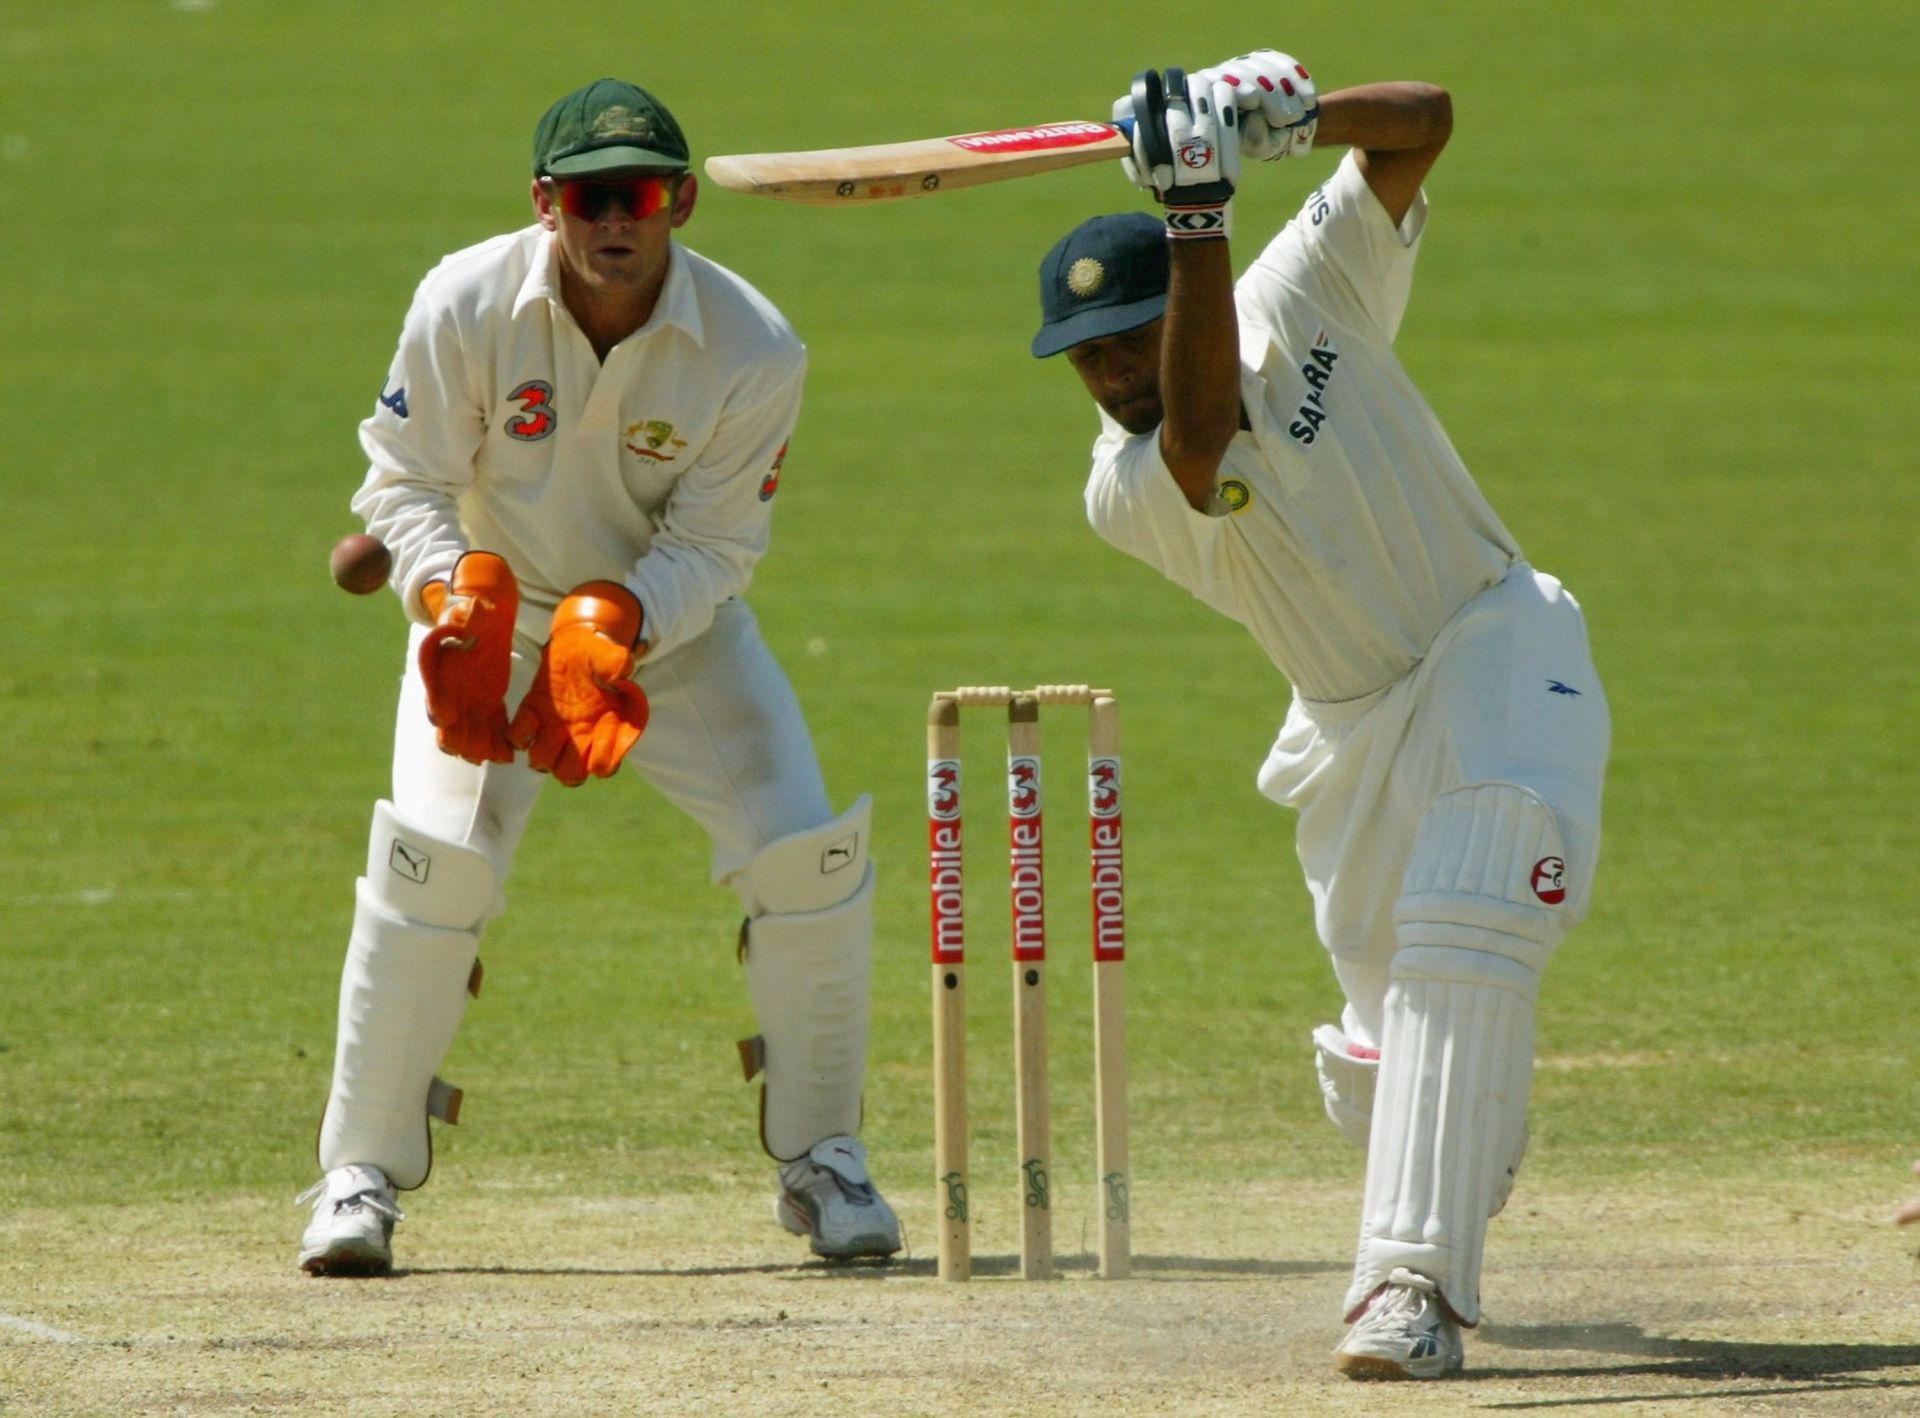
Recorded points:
(888,172)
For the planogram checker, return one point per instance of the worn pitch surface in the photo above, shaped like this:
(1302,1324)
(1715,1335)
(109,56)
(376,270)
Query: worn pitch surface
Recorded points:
(1625,1299)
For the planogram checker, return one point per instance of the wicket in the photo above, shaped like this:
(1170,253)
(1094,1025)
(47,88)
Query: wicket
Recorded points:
(1027,886)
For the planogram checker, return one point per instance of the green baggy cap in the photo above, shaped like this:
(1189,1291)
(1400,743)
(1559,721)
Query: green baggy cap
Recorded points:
(607,126)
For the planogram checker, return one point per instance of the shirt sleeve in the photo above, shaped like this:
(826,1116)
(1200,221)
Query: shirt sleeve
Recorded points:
(715,524)
(1135,505)
(420,441)
(1342,249)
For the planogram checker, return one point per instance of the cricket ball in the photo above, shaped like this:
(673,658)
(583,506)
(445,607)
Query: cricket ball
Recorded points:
(360,564)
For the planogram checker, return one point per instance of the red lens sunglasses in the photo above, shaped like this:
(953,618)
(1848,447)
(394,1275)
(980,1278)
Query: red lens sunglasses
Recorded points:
(588,198)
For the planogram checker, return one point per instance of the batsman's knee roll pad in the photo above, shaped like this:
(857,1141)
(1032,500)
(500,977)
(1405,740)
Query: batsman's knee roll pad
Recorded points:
(810,870)
(1487,872)
(808,973)
(403,991)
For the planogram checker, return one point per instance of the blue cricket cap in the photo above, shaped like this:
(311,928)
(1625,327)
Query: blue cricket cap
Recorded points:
(1107,275)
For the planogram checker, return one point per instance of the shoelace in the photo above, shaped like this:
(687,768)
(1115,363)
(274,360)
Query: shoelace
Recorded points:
(1398,1301)
(372,1200)
(1407,1293)
(859,1193)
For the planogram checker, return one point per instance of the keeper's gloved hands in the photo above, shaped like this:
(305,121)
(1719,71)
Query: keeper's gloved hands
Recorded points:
(583,712)
(1278,103)
(467,657)
(1186,148)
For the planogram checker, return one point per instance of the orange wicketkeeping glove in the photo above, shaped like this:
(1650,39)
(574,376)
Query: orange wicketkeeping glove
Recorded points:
(467,657)
(583,712)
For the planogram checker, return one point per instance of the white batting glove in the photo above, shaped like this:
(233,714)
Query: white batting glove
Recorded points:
(1278,102)
(1185,148)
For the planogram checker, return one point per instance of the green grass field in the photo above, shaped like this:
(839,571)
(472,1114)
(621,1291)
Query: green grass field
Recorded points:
(1665,307)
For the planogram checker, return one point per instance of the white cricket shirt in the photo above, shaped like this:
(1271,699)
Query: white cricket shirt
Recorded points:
(499,430)
(1344,530)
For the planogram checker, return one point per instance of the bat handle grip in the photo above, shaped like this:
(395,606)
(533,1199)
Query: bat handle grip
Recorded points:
(1150,108)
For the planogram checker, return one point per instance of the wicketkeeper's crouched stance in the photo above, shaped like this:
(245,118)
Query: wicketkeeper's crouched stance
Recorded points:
(573,463)
(1262,446)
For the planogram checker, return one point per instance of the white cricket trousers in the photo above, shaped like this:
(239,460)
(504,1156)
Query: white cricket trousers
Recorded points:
(1507,693)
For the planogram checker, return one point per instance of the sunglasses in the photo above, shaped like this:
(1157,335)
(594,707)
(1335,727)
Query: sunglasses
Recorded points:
(588,198)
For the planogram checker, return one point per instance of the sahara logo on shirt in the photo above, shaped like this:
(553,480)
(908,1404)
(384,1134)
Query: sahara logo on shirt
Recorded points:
(536,417)
(649,437)
(1318,372)
(770,484)
(396,401)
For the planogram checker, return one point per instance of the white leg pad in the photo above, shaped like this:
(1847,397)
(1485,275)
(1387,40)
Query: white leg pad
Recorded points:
(403,992)
(1349,1076)
(1455,1065)
(1487,861)
(811,870)
(419,877)
(809,976)
(1476,922)
(1347,1081)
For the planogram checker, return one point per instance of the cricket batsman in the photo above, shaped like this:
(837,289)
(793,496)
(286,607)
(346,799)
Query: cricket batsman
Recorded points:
(1261,445)
(573,462)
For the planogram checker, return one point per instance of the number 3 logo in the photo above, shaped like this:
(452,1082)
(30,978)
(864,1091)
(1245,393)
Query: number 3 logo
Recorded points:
(536,417)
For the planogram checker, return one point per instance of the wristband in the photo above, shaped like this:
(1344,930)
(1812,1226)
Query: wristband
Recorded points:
(1199,223)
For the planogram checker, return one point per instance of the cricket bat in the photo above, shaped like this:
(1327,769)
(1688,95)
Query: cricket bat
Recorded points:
(834,177)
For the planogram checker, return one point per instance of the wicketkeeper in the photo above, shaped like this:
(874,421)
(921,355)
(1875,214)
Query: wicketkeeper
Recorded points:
(1262,446)
(574,460)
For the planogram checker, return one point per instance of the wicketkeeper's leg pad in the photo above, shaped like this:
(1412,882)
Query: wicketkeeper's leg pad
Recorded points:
(811,870)
(808,950)
(411,961)
(1476,921)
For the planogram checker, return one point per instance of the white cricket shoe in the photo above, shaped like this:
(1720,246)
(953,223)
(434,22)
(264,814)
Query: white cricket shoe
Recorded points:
(828,1197)
(352,1228)
(1404,1333)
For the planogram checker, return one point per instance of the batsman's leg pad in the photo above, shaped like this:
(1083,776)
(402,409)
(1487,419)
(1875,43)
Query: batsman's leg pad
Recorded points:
(1347,1081)
(1491,858)
(1475,925)
(809,976)
(811,870)
(403,991)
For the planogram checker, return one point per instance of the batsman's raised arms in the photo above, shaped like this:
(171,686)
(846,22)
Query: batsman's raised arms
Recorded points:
(890,171)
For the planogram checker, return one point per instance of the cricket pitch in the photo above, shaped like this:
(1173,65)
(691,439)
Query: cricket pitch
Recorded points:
(1618,1302)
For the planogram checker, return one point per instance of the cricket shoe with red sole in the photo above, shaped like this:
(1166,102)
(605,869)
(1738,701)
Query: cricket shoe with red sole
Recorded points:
(1405,1332)
(352,1228)
(828,1197)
